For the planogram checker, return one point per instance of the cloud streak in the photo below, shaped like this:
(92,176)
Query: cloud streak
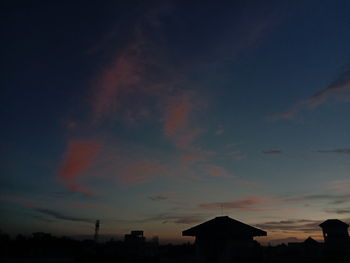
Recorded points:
(334,199)
(158,197)
(250,204)
(60,216)
(339,151)
(338,90)
(272,151)
(300,225)
(166,218)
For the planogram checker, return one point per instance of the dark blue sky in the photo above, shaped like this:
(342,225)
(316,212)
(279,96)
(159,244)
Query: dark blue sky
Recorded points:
(151,114)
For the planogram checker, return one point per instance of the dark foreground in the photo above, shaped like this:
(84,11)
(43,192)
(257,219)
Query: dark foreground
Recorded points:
(46,248)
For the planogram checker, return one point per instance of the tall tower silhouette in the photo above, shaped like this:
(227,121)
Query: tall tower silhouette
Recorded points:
(97,227)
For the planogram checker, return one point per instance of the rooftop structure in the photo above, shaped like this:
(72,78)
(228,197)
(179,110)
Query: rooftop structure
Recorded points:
(224,240)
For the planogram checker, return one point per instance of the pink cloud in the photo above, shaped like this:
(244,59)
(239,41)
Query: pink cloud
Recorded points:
(122,77)
(78,158)
(178,120)
(177,114)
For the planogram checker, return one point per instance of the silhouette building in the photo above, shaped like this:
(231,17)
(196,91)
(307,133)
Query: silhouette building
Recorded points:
(224,240)
(335,232)
(135,237)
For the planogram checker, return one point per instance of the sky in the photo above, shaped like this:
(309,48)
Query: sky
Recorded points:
(160,115)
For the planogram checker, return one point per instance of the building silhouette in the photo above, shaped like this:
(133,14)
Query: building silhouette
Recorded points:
(224,240)
(135,237)
(335,232)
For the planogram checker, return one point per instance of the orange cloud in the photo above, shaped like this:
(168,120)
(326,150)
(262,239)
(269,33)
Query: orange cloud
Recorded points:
(79,157)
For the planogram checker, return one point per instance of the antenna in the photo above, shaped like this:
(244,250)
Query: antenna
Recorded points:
(97,227)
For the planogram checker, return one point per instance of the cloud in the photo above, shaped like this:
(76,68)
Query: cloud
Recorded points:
(342,185)
(24,201)
(220,130)
(217,171)
(236,155)
(77,159)
(88,206)
(272,151)
(250,204)
(340,211)
(176,114)
(122,77)
(158,197)
(140,170)
(184,219)
(249,183)
(165,218)
(334,199)
(61,216)
(338,90)
(303,225)
(178,219)
(340,151)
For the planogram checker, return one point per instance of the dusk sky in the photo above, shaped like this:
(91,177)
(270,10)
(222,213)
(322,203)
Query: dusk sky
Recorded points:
(159,115)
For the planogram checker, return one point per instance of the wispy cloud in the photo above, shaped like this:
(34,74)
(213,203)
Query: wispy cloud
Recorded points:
(334,199)
(177,113)
(252,204)
(249,183)
(78,158)
(236,155)
(217,171)
(340,186)
(220,130)
(302,225)
(181,219)
(61,216)
(159,197)
(339,211)
(338,90)
(166,218)
(140,171)
(340,151)
(272,151)
(117,80)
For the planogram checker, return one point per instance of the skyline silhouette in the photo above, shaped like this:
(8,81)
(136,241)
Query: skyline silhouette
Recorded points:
(160,115)
(220,240)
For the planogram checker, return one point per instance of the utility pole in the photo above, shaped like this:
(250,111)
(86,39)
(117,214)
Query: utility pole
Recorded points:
(97,227)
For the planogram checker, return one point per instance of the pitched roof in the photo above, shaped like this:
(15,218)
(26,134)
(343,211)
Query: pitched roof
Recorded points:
(333,223)
(224,225)
(310,241)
